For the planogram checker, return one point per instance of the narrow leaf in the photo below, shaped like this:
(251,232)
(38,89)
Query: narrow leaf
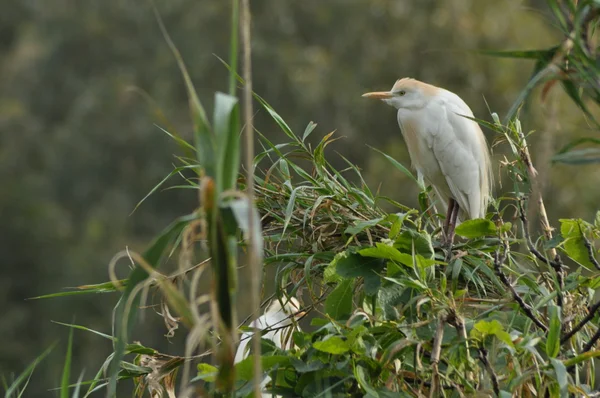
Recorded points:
(553,339)
(64,385)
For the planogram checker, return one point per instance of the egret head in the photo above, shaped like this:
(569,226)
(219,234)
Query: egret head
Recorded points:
(406,94)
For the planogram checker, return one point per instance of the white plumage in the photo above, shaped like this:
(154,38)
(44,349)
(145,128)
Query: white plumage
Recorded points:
(280,323)
(446,147)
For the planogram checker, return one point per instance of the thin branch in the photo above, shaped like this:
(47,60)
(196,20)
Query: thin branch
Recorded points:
(580,325)
(556,264)
(499,259)
(484,359)
(530,244)
(592,341)
(435,356)
(253,257)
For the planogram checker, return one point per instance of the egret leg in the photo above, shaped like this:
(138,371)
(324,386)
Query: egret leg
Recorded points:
(450,225)
(448,217)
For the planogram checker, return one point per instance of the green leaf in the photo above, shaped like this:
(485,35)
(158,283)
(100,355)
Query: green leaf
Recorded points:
(523,54)
(180,141)
(240,209)
(305,367)
(362,378)
(226,125)
(78,385)
(354,265)
(26,374)
(574,245)
(494,328)
(387,252)
(586,356)
(553,339)
(245,369)
(578,156)
(476,228)
(333,345)
(204,142)
(400,167)
(309,129)
(139,349)
(541,72)
(579,141)
(410,241)
(561,377)
(330,274)
(207,372)
(107,287)
(289,210)
(64,385)
(572,91)
(106,336)
(338,304)
(362,225)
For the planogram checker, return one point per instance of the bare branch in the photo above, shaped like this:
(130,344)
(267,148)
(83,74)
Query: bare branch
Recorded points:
(580,325)
(556,264)
(484,359)
(592,341)
(435,356)
(530,244)
(499,259)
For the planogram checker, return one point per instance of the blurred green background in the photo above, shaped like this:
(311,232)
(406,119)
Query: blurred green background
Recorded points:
(79,148)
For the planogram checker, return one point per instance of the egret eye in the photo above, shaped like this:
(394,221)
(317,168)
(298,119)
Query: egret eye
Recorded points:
(401,93)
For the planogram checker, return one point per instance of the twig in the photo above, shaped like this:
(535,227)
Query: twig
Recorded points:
(484,359)
(253,257)
(556,264)
(580,325)
(530,244)
(592,341)
(435,356)
(498,261)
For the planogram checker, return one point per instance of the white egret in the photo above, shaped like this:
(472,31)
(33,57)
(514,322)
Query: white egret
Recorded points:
(448,149)
(280,322)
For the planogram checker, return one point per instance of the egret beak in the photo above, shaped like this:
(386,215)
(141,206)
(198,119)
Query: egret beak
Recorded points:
(379,95)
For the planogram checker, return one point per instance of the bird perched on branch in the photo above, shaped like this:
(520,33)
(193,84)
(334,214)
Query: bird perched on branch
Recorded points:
(279,322)
(446,147)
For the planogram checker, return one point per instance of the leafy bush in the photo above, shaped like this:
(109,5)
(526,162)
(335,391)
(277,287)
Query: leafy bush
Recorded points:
(510,314)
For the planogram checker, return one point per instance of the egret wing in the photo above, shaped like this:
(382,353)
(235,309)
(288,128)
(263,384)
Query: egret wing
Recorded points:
(456,149)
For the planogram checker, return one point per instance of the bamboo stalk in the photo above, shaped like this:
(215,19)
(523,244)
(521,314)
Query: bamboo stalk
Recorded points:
(253,256)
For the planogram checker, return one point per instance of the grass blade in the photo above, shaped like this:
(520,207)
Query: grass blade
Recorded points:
(78,386)
(13,388)
(106,336)
(399,166)
(66,374)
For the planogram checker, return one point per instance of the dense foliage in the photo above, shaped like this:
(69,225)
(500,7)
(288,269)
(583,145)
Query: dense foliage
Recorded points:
(511,312)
